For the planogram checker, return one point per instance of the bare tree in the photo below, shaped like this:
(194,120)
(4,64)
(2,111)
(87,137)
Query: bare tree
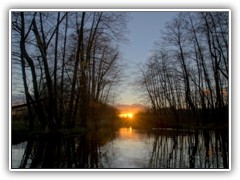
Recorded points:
(73,59)
(195,50)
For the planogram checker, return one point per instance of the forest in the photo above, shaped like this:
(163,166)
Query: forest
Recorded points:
(186,77)
(69,64)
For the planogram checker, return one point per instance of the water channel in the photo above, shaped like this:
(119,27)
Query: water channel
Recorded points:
(126,148)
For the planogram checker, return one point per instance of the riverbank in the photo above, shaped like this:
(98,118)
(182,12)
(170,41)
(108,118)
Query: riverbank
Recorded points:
(23,134)
(20,132)
(148,120)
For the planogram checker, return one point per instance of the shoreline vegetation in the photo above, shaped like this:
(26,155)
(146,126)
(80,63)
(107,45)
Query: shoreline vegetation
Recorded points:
(143,120)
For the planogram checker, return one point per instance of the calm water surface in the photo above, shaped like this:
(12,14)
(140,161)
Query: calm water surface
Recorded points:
(126,148)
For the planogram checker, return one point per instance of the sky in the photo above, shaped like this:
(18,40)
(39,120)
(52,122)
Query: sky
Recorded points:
(144,29)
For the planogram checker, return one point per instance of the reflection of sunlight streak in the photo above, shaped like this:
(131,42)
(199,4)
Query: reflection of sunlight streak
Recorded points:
(128,133)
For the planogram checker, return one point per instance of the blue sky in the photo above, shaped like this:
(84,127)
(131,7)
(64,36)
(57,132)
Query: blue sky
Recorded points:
(144,29)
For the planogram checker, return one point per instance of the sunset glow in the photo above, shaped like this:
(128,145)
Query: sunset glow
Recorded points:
(126,115)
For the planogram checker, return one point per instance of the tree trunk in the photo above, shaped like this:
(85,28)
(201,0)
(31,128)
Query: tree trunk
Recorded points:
(39,108)
(71,118)
(43,49)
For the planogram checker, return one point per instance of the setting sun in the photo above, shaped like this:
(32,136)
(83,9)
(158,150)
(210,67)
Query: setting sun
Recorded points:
(127,115)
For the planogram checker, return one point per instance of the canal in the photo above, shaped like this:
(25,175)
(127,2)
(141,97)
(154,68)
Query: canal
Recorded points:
(126,148)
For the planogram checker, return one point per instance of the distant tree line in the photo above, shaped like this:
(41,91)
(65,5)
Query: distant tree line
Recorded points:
(69,63)
(187,72)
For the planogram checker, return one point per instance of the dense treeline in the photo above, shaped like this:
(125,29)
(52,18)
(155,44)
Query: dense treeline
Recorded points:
(186,77)
(69,64)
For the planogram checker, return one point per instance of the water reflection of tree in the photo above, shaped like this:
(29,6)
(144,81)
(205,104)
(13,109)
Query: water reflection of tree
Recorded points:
(195,149)
(65,152)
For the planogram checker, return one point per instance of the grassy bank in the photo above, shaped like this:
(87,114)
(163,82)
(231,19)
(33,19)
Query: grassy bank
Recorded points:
(21,133)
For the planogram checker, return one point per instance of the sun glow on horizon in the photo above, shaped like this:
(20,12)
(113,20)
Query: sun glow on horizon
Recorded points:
(126,115)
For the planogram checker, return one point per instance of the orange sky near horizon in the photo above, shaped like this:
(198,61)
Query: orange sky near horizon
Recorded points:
(130,109)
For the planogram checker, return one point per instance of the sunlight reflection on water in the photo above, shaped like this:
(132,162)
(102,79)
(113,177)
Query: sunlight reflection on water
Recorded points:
(131,149)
